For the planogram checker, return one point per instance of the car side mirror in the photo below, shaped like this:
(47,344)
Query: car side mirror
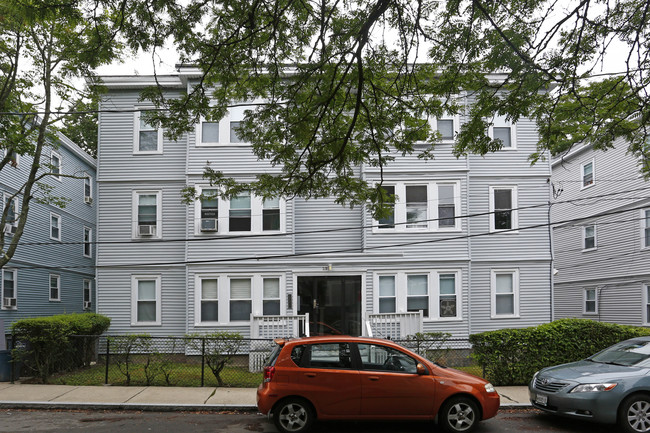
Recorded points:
(421,369)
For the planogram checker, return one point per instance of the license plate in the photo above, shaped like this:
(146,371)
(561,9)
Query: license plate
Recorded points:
(541,399)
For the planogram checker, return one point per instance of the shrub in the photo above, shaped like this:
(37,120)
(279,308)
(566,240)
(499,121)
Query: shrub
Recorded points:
(512,356)
(46,345)
(217,348)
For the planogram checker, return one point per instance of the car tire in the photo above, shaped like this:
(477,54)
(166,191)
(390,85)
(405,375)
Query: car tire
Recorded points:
(459,415)
(634,414)
(293,415)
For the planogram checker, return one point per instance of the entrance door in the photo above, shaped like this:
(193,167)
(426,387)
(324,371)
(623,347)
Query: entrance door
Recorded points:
(333,304)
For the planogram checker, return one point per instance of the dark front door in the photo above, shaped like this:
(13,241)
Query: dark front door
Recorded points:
(333,304)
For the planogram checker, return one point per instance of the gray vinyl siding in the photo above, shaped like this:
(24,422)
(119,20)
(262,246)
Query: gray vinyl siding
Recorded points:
(38,256)
(352,248)
(619,264)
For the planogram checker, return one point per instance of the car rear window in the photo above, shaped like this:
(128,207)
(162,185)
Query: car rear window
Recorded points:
(270,361)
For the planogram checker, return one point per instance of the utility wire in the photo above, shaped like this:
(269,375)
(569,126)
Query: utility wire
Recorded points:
(340,229)
(316,253)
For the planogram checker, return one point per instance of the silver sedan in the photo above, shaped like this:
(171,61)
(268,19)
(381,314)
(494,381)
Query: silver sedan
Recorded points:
(612,386)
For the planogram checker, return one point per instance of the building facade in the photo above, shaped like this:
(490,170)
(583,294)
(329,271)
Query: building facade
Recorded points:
(457,255)
(601,236)
(52,271)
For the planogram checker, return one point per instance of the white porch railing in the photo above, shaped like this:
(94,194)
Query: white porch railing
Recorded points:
(269,327)
(393,325)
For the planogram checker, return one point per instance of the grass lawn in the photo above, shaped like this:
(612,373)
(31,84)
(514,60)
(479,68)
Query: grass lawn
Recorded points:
(180,374)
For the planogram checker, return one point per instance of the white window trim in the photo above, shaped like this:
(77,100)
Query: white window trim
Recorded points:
(223,218)
(199,134)
(515,212)
(134,213)
(433,285)
(88,178)
(455,126)
(60,166)
(52,214)
(399,209)
(223,297)
(582,174)
(134,299)
(136,136)
(90,293)
(500,122)
(584,302)
(58,287)
(584,238)
(643,228)
(90,241)
(493,290)
(2,288)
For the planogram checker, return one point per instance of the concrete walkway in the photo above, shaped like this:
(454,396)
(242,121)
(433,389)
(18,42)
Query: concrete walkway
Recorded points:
(161,398)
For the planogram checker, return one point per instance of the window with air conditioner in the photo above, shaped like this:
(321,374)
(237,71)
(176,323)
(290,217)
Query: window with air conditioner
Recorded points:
(209,210)
(147,214)
(11,222)
(9,288)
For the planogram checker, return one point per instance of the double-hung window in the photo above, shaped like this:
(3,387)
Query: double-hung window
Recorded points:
(88,239)
(416,207)
(448,295)
(209,211)
(505,293)
(445,127)
(147,218)
(88,188)
(271,214)
(503,131)
(11,222)
(148,139)
(587,170)
(55,163)
(387,298)
(209,133)
(589,238)
(87,294)
(503,204)
(9,288)
(241,303)
(591,301)
(55,287)
(55,227)
(388,222)
(417,293)
(209,302)
(271,296)
(446,206)
(645,231)
(146,301)
(646,304)
(240,213)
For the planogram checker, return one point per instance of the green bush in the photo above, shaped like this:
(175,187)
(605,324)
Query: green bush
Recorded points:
(512,356)
(46,345)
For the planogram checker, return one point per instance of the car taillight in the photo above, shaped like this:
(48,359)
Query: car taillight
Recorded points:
(268,373)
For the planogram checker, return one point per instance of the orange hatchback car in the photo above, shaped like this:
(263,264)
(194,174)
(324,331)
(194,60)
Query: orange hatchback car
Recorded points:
(356,378)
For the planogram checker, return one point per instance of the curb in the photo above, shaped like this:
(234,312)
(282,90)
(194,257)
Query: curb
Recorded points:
(47,405)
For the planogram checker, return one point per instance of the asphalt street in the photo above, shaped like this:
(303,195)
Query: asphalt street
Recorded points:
(35,421)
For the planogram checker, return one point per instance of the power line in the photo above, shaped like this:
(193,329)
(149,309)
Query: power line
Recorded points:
(340,229)
(341,251)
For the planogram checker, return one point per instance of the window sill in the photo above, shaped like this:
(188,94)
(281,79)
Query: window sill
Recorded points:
(586,250)
(443,319)
(510,316)
(55,300)
(157,152)
(583,187)
(146,324)
(506,231)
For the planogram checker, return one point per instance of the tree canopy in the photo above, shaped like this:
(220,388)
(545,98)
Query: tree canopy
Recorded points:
(341,84)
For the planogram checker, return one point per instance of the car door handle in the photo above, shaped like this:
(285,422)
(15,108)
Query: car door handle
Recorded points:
(310,374)
(373,377)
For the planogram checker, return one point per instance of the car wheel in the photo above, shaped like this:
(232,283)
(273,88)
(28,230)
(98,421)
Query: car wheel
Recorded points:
(293,415)
(634,414)
(459,414)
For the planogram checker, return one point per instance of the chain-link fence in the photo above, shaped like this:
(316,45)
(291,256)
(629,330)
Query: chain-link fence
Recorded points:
(206,360)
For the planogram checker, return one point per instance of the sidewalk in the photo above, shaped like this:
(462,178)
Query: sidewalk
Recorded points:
(161,398)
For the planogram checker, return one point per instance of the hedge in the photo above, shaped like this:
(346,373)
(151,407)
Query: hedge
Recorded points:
(45,346)
(512,356)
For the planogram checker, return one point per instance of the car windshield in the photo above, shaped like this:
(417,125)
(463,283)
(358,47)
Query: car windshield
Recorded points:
(625,353)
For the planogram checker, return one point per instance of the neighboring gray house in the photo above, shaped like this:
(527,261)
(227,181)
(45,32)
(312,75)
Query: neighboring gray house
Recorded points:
(171,268)
(602,259)
(52,271)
